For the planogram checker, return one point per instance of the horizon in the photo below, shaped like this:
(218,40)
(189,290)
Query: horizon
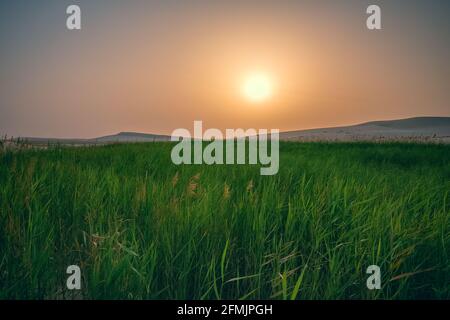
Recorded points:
(157,134)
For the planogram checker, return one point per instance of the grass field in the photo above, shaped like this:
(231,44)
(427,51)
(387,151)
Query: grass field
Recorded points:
(142,228)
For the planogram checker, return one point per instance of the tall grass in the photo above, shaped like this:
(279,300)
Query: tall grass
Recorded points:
(140,227)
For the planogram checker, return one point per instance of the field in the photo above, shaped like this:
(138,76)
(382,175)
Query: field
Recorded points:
(140,227)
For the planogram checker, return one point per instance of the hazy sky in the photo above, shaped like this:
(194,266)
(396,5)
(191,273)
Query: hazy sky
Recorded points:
(154,66)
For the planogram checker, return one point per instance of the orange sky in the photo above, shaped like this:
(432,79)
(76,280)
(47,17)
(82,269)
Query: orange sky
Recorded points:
(157,66)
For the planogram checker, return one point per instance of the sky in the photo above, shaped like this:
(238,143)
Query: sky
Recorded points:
(155,66)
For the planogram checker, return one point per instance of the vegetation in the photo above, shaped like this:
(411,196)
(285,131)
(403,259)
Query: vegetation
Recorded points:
(140,227)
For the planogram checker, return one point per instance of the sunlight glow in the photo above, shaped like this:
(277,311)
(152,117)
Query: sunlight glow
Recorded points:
(258,87)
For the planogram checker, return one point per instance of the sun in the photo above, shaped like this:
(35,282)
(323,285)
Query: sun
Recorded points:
(257,87)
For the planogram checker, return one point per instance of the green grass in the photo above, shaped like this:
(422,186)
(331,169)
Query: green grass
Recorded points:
(142,228)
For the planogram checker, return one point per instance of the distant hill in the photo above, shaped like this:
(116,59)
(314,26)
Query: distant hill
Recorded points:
(122,137)
(132,137)
(433,129)
(419,128)
(413,123)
